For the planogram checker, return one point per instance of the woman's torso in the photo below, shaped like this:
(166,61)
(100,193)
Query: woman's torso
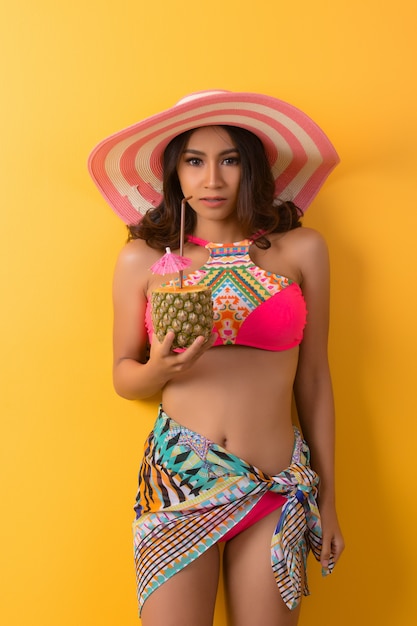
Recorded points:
(240,396)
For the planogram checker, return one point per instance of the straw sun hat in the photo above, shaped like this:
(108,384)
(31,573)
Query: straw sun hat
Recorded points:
(127,166)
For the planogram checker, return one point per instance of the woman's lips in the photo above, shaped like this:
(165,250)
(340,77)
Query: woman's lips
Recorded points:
(214,201)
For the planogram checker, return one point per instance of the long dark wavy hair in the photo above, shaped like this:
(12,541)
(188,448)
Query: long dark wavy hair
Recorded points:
(257,209)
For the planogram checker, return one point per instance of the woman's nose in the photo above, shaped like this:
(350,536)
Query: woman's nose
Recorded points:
(213,176)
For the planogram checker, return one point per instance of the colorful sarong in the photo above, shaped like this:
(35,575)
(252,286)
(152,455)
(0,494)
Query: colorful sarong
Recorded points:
(192,492)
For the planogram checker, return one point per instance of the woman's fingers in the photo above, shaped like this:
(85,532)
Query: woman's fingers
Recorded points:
(182,360)
(326,552)
(332,548)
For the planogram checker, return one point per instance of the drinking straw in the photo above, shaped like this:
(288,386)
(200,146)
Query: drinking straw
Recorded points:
(182,234)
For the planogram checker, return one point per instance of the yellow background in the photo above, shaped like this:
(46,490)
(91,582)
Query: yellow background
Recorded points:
(74,72)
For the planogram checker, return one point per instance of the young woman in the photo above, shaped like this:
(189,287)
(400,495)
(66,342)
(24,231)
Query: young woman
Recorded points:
(224,465)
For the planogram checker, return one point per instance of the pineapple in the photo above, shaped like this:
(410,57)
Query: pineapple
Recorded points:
(187,311)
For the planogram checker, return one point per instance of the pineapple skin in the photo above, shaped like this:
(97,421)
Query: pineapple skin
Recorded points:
(188,313)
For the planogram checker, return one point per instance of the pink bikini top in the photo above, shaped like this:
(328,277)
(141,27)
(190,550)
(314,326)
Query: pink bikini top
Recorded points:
(252,307)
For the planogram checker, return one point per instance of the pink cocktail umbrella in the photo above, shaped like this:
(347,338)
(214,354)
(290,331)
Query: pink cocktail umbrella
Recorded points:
(170,262)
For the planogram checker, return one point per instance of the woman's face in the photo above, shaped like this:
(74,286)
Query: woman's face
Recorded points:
(209,170)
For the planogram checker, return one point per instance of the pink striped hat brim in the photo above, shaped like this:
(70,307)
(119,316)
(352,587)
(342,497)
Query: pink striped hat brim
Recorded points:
(127,166)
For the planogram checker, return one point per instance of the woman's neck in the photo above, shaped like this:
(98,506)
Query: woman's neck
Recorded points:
(218,233)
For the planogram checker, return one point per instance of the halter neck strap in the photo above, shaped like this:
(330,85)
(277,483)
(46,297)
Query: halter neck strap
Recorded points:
(203,242)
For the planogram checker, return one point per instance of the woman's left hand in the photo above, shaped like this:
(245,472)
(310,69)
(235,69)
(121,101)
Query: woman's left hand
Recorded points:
(333,542)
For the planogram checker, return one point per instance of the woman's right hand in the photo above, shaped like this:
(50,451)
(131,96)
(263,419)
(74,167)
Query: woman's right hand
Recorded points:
(135,380)
(170,363)
(134,376)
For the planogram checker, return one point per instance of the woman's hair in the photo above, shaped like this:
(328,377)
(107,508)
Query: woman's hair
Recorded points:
(257,209)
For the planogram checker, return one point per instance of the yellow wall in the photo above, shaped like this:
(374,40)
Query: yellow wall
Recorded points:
(73,72)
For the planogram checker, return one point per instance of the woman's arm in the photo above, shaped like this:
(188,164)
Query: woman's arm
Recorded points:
(134,376)
(313,387)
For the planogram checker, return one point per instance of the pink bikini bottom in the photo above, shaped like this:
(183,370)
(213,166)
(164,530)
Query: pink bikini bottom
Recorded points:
(268,503)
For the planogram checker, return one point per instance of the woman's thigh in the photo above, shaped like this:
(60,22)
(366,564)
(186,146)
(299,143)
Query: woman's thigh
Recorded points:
(252,594)
(188,598)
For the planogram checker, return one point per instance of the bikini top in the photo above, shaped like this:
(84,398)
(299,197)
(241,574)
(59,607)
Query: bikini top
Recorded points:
(252,307)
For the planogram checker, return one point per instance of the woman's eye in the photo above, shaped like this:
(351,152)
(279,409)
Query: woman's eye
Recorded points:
(231,161)
(194,161)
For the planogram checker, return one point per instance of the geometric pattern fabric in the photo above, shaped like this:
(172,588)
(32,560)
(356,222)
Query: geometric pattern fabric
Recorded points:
(192,492)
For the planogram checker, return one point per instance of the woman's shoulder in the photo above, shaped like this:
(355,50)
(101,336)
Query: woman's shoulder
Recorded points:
(137,251)
(302,241)
(136,258)
(305,249)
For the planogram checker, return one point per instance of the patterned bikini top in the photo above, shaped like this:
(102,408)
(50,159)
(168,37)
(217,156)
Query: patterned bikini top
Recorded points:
(252,307)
